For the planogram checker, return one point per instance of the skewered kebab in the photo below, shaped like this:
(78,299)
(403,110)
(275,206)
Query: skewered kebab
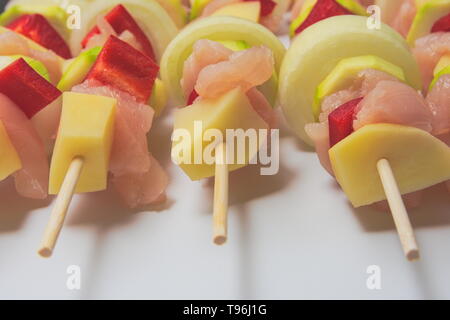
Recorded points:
(354,97)
(223,71)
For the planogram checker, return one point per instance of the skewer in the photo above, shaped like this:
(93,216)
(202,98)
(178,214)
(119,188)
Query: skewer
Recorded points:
(398,210)
(220,215)
(59,211)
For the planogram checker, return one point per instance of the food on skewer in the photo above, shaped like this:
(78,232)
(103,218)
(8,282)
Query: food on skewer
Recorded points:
(354,97)
(86,131)
(115,140)
(226,83)
(123,73)
(267,12)
(81,155)
(23,95)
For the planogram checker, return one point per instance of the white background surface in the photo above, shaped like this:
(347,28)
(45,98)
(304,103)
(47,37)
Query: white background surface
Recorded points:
(291,236)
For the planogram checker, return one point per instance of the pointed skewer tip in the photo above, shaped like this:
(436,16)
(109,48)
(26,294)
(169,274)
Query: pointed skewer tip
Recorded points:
(220,240)
(45,252)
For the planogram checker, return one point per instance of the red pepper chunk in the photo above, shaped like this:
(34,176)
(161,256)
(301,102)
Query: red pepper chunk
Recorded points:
(26,88)
(121,66)
(38,29)
(121,20)
(340,121)
(442,25)
(194,95)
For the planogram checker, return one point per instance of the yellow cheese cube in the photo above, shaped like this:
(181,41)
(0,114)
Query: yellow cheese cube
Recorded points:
(9,159)
(86,131)
(230,111)
(418,161)
(245,10)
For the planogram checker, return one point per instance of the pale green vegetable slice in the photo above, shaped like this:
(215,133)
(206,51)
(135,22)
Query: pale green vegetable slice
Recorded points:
(345,73)
(441,73)
(77,70)
(443,63)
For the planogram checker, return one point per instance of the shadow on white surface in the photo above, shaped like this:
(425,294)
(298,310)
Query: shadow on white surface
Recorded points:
(247,184)
(160,143)
(14,208)
(246,274)
(285,131)
(433,212)
(105,213)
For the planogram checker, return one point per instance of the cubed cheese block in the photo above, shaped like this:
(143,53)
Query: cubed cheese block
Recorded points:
(86,131)
(418,161)
(230,111)
(9,159)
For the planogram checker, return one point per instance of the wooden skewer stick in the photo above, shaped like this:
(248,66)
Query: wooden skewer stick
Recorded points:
(59,211)
(220,215)
(398,210)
